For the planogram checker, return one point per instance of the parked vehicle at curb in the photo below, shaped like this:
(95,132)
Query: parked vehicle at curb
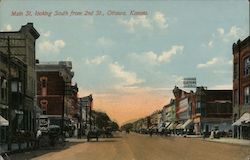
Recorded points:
(47,120)
(93,133)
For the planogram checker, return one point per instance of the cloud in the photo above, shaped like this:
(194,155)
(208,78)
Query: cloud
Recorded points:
(51,46)
(233,34)
(208,63)
(97,60)
(221,31)
(158,20)
(130,78)
(133,22)
(154,58)
(210,44)
(6,28)
(46,34)
(105,42)
(165,56)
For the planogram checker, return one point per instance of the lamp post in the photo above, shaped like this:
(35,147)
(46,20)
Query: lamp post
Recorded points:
(63,103)
(9,97)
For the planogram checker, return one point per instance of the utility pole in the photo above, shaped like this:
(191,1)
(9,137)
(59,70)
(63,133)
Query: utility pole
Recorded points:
(90,110)
(9,97)
(62,123)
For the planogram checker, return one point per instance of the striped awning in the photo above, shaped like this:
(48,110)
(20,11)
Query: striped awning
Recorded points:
(245,118)
(3,121)
(187,124)
(179,126)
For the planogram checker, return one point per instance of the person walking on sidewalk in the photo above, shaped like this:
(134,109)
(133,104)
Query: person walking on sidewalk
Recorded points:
(212,134)
(38,137)
(204,134)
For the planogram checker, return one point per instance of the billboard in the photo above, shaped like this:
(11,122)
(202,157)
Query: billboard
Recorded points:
(189,82)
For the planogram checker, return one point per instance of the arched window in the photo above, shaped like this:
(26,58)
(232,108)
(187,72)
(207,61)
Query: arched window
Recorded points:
(247,66)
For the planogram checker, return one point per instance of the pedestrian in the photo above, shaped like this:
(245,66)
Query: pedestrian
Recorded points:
(38,137)
(204,134)
(150,132)
(212,134)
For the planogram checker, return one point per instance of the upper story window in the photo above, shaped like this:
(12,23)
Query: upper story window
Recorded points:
(235,74)
(247,66)
(3,85)
(247,95)
(44,106)
(44,83)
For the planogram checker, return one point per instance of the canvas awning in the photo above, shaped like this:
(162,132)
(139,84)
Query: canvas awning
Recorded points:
(179,126)
(245,118)
(187,124)
(3,121)
(167,124)
(170,126)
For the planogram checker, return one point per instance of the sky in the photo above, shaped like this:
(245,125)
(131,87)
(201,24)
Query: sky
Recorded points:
(131,63)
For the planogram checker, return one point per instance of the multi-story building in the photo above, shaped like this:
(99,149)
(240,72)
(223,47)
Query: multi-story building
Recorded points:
(213,110)
(168,114)
(20,45)
(241,88)
(155,118)
(73,103)
(54,89)
(185,108)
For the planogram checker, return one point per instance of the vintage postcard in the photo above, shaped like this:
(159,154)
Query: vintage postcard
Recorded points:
(124,80)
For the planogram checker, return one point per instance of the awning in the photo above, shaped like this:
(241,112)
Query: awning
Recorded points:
(170,126)
(245,118)
(187,124)
(3,121)
(167,124)
(179,126)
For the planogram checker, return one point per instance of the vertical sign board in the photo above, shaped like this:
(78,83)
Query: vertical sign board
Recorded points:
(189,82)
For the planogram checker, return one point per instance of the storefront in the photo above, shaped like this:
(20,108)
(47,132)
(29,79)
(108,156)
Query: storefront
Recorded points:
(242,126)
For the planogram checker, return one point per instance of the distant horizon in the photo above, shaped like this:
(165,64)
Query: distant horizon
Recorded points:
(131,63)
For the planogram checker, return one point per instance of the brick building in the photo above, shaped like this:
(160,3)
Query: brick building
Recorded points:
(22,48)
(73,104)
(241,88)
(54,89)
(185,108)
(213,110)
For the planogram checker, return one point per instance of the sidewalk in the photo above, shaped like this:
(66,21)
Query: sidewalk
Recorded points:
(230,141)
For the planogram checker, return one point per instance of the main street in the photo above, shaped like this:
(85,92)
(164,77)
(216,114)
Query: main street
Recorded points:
(142,147)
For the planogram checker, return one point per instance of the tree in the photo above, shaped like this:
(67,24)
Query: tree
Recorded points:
(127,126)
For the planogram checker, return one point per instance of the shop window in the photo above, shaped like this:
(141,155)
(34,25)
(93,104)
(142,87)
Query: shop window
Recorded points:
(247,95)
(247,66)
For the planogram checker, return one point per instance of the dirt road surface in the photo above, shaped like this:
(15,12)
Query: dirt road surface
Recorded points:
(142,147)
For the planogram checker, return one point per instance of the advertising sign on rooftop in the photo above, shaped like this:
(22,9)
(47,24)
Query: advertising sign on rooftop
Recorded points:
(189,82)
